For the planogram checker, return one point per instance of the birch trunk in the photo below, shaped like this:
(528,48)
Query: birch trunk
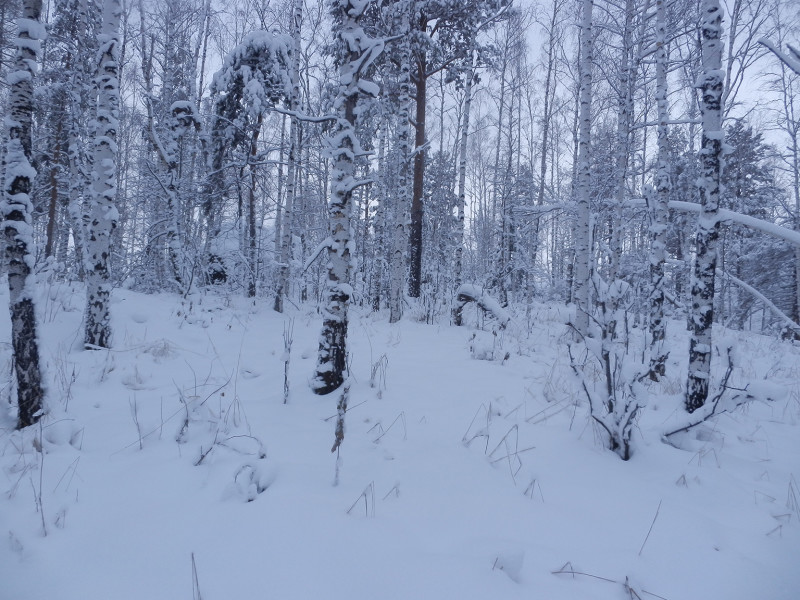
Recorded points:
(462,184)
(658,209)
(403,144)
(355,53)
(103,214)
(702,309)
(77,169)
(16,213)
(291,175)
(583,240)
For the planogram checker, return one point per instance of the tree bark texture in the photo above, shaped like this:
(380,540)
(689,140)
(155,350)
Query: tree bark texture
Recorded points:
(702,308)
(16,210)
(103,214)
(355,53)
(583,237)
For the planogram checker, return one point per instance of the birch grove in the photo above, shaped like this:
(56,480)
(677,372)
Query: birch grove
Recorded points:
(425,160)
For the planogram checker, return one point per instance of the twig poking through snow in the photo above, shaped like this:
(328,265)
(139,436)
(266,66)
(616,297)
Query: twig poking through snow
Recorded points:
(649,531)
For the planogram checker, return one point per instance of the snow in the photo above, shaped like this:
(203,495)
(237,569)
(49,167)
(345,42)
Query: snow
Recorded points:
(458,477)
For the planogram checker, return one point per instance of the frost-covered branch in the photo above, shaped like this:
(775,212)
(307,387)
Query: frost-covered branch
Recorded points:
(790,59)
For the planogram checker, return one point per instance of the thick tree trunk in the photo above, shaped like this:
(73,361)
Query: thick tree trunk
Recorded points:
(355,51)
(16,210)
(702,308)
(103,213)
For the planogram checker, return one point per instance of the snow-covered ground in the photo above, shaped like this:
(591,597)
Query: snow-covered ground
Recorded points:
(171,468)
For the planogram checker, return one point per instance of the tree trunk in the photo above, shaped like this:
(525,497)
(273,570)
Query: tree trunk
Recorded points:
(400,237)
(291,175)
(658,210)
(417,209)
(462,183)
(353,60)
(702,308)
(16,212)
(583,235)
(103,213)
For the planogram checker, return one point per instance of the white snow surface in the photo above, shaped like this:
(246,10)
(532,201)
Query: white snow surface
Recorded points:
(458,478)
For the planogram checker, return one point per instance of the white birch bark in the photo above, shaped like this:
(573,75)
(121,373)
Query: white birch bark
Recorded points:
(103,214)
(659,202)
(78,177)
(701,314)
(291,175)
(583,241)
(355,53)
(402,196)
(16,210)
(462,184)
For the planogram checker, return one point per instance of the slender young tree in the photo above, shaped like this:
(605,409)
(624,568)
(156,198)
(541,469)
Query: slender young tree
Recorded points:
(583,241)
(291,175)
(355,52)
(103,215)
(701,315)
(403,149)
(16,210)
(458,274)
(659,201)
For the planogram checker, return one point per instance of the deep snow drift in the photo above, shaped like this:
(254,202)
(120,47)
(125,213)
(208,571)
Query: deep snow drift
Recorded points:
(169,467)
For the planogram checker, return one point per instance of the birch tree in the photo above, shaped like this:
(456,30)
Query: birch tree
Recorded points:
(355,53)
(583,241)
(16,210)
(103,214)
(658,205)
(291,175)
(701,313)
(402,194)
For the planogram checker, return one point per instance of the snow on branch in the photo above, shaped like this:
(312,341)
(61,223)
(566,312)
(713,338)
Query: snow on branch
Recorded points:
(791,60)
(788,323)
(793,237)
(472,293)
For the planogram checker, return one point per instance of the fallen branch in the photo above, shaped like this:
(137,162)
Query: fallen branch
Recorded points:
(714,407)
(472,293)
